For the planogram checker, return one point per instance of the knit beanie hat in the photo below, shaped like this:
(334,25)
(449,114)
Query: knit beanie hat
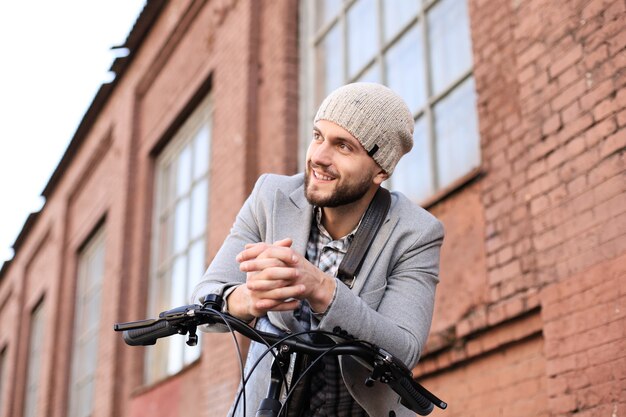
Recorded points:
(376,116)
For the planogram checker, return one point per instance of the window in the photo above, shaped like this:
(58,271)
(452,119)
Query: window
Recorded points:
(419,48)
(4,372)
(179,238)
(35,351)
(90,276)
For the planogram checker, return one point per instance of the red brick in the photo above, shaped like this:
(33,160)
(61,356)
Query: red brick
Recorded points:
(607,352)
(599,55)
(599,131)
(568,95)
(609,167)
(571,112)
(600,374)
(575,147)
(567,77)
(614,143)
(577,185)
(591,10)
(577,166)
(614,228)
(614,186)
(557,195)
(621,118)
(604,109)
(562,403)
(574,128)
(597,93)
(617,43)
(557,386)
(539,204)
(620,97)
(612,207)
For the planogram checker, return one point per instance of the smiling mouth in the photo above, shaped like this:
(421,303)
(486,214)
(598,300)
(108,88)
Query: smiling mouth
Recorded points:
(320,176)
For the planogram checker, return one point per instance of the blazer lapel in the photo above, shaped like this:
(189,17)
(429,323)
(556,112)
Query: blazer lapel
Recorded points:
(291,218)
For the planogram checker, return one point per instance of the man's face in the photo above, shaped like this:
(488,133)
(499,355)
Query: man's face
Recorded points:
(338,169)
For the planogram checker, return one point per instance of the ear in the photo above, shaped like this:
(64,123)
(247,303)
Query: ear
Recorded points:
(380,177)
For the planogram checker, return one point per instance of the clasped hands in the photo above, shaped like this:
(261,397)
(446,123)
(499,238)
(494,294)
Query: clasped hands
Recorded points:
(277,278)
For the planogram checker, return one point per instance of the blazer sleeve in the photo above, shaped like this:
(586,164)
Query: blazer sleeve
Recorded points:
(401,322)
(223,272)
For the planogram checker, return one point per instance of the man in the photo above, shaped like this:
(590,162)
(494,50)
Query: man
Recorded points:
(279,262)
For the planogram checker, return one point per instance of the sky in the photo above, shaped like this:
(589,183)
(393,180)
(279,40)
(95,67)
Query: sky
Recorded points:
(55,56)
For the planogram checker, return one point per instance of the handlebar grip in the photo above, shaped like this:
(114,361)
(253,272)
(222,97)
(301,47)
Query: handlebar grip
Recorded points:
(148,335)
(415,400)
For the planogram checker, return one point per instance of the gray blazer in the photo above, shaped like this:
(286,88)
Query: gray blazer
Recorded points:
(390,304)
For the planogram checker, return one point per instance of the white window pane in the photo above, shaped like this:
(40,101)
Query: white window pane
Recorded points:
(397,13)
(164,243)
(191,353)
(90,350)
(181,225)
(183,171)
(456,127)
(450,40)
(371,75)
(96,268)
(405,71)
(91,313)
(175,354)
(199,200)
(325,10)
(201,152)
(164,184)
(179,283)
(164,288)
(413,175)
(329,64)
(196,265)
(362,35)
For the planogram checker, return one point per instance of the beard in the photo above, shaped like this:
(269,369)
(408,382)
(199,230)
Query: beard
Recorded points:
(345,192)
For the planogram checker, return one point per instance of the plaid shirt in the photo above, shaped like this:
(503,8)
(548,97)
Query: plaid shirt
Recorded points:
(329,396)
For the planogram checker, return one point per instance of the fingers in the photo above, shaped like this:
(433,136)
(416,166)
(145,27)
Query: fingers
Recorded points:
(270,290)
(253,250)
(260,264)
(264,306)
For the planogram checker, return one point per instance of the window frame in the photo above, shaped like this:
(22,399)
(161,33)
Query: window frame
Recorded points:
(164,204)
(36,339)
(85,289)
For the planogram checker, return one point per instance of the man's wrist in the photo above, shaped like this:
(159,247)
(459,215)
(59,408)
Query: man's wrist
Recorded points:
(235,305)
(323,296)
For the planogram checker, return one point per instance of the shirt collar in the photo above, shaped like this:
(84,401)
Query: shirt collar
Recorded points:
(318,221)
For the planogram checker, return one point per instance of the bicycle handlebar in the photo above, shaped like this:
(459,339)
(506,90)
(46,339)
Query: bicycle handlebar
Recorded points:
(185,319)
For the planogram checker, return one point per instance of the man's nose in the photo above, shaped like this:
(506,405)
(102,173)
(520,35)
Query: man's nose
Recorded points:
(322,154)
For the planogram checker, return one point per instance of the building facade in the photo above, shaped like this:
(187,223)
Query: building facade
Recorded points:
(520,137)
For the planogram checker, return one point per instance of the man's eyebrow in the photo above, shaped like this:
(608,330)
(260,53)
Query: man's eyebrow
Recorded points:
(351,141)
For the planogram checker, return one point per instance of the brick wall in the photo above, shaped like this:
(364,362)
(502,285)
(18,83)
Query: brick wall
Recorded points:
(551,84)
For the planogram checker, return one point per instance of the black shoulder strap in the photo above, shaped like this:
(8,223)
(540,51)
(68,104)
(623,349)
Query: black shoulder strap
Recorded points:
(371,222)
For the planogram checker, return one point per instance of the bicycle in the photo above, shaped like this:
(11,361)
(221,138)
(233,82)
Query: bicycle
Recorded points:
(384,367)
